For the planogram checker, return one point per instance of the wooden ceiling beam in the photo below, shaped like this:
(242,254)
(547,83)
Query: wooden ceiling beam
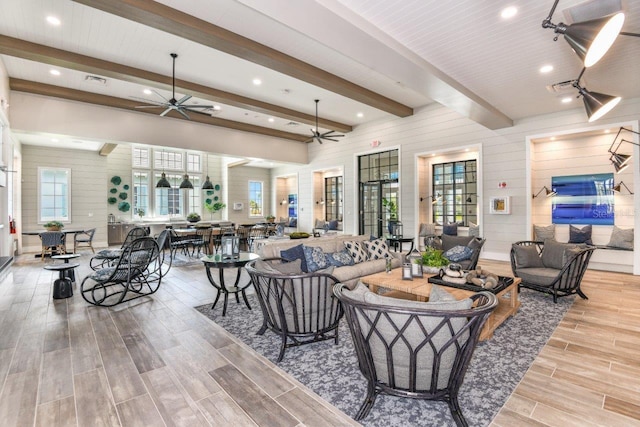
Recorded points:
(110,101)
(73,61)
(156,15)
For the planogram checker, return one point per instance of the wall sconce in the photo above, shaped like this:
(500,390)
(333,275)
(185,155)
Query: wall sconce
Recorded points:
(320,202)
(617,188)
(620,161)
(283,202)
(549,193)
(434,199)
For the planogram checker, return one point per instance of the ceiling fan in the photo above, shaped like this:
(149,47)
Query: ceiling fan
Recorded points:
(177,105)
(317,136)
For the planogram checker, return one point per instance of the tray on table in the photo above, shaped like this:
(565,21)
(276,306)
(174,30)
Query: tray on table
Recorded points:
(503,282)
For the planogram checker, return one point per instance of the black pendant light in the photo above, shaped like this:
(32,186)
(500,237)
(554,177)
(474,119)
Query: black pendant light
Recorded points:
(163,182)
(186,184)
(208,185)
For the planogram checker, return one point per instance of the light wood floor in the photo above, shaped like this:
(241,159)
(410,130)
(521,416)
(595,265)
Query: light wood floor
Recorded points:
(156,361)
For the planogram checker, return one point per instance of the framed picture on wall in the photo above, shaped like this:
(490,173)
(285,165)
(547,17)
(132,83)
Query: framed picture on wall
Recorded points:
(500,205)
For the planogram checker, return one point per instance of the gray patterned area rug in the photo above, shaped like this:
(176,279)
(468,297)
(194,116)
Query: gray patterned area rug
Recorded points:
(332,371)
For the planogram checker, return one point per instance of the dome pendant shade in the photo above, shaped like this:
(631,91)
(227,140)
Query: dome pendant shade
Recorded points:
(591,40)
(163,182)
(186,184)
(207,184)
(598,104)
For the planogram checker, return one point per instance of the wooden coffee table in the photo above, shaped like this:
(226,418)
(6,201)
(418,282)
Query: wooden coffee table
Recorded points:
(508,302)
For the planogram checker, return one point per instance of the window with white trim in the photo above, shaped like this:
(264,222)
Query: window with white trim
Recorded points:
(255,198)
(54,194)
(194,163)
(168,160)
(141,193)
(140,157)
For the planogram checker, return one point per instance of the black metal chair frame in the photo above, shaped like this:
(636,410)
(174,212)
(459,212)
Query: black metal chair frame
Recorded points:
(137,273)
(461,327)
(84,240)
(164,243)
(300,308)
(569,278)
(201,241)
(103,259)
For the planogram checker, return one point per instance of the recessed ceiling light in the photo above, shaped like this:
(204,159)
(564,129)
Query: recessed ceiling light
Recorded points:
(53,20)
(54,72)
(147,92)
(271,120)
(217,107)
(546,68)
(466,149)
(607,130)
(567,99)
(54,139)
(257,82)
(553,138)
(508,12)
(360,115)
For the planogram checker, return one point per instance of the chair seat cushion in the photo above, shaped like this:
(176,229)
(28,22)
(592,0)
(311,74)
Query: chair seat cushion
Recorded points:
(108,254)
(102,274)
(538,276)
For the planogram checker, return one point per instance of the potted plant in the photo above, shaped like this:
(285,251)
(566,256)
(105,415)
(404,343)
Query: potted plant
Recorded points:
(214,207)
(193,217)
(392,208)
(54,226)
(432,260)
(270,218)
(140,212)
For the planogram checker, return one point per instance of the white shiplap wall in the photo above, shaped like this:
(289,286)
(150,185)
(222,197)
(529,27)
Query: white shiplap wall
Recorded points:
(432,128)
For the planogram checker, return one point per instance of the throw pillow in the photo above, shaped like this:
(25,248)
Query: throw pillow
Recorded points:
(316,260)
(580,235)
(527,256)
(450,229)
(544,232)
(474,229)
(333,225)
(293,222)
(458,253)
(553,253)
(265,266)
(377,249)
(319,223)
(357,250)
(289,268)
(621,238)
(339,259)
(427,230)
(293,254)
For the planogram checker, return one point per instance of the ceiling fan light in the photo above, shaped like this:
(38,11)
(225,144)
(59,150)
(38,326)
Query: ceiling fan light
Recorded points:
(598,104)
(591,40)
(208,185)
(186,184)
(163,182)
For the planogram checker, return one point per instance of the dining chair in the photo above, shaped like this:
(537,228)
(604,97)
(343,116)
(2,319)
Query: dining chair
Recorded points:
(84,239)
(52,241)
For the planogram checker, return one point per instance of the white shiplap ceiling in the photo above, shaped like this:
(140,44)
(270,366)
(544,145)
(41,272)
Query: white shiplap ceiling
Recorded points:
(462,54)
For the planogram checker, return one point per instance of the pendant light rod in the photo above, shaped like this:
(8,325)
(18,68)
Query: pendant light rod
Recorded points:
(317,100)
(173,78)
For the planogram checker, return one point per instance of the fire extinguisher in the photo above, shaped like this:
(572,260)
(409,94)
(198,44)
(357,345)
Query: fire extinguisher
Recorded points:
(12,225)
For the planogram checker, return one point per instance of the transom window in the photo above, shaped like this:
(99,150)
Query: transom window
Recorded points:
(168,160)
(140,157)
(54,194)
(193,163)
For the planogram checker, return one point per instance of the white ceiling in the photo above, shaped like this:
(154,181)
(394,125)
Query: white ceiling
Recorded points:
(461,54)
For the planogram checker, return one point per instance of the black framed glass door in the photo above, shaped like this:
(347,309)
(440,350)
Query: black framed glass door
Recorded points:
(379,195)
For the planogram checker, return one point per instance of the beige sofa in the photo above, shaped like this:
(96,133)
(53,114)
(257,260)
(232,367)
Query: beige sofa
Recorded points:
(346,274)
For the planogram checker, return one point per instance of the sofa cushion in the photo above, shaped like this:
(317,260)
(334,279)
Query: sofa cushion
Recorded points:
(333,224)
(294,253)
(526,257)
(450,229)
(357,250)
(474,229)
(458,253)
(544,232)
(319,223)
(340,258)
(377,249)
(621,238)
(553,253)
(294,267)
(427,230)
(293,222)
(315,258)
(539,276)
(449,242)
(580,235)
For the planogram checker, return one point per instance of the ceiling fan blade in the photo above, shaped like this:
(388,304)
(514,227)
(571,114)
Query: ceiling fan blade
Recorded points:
(184,113)
(151,106)
(330,133)
(319,140)
(183,99)
(196,106)
(329,139)
(158,93)
(165,112)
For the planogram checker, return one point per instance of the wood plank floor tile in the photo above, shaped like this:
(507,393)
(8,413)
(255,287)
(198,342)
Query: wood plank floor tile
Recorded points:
(18,399)
(509,418)
(144,356)
(57,336)
(205,355)
(623,406)
(556,418)
(220,410)
(94,403)
(303,407)
(191,375)
(56,378)
(85,355)
(59,413)
(28,353)
(257,404)
(139,412)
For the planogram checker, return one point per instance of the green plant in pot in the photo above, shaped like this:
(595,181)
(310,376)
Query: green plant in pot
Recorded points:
(193,217)
(270,218)
(432,260)
(53,226)
(214,207)
(392,208)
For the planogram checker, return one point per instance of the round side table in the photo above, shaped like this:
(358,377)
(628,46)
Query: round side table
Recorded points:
(62,286)
(70,274)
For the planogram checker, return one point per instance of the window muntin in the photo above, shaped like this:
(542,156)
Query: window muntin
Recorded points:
(170,160)
(194,163)
(255,198)
(140,157)
(194,197)
(333,198)
(54,194)
(141,193)
(455,186)
(168,201)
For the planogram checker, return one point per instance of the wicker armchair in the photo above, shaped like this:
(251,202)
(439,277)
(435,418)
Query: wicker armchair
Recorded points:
(106,257)
(137,273)
(414,349)
(558,280)
(299,307)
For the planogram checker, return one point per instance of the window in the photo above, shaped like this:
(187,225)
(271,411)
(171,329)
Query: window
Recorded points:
(140,157)
(194,198)
(168,201)
(141,193)
(455,187)
(255,198)
(379,193)
(193,163)
(333,198)
(54,194)
(168,160)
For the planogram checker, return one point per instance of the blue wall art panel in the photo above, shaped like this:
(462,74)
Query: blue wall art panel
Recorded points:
(583,199)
